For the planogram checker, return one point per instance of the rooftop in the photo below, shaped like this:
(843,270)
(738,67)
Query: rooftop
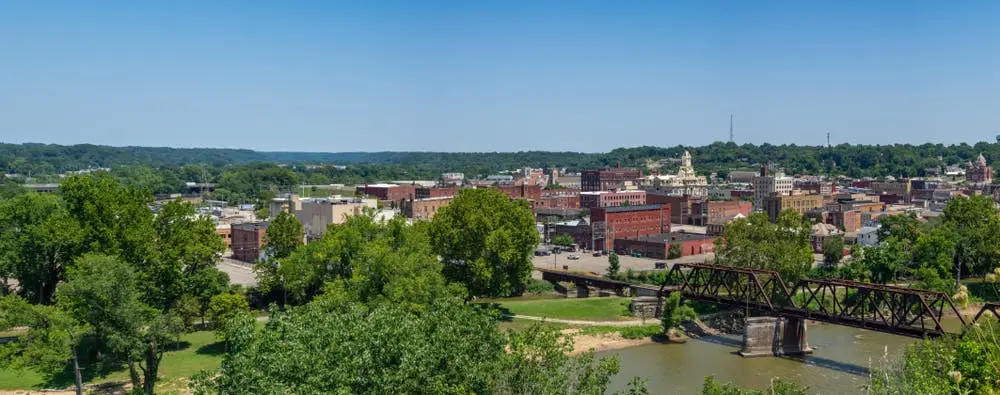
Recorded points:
(625,209)
(672,237)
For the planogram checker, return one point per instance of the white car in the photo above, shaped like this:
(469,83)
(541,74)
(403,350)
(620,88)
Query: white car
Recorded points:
(573,257)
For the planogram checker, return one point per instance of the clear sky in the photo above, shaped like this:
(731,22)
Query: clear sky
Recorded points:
(331,75)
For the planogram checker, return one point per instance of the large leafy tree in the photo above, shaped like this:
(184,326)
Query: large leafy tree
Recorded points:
(51,342)
(974,225)
(904,228)
(371,260)
(113,219)
(755,242)
(485,241)
(447,348)
(38,240)
(185,257)
(284,235)
(101,290)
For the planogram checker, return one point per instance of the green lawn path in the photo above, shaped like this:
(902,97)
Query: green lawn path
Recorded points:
(589,309)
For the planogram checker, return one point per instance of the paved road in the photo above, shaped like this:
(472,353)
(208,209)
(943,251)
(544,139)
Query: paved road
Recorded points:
(239,272)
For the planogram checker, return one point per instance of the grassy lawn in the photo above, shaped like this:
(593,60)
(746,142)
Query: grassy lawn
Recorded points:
(589,309)
(197,351)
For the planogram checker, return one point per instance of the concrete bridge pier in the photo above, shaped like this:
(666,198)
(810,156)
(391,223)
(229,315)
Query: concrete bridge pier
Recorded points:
(774,336)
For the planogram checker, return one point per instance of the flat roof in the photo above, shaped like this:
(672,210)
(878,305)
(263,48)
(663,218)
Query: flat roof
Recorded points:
(669,237)
(625,209)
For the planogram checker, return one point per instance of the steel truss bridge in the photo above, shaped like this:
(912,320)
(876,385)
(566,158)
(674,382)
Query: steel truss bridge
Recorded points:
(902,311)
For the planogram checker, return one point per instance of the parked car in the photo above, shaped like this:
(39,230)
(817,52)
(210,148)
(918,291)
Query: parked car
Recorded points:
(637,254)
(661,265)
(597,253)
(573,257)
(604,252)
(542,253)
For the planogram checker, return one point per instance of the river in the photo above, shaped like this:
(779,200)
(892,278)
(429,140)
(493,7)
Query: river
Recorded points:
(839,364)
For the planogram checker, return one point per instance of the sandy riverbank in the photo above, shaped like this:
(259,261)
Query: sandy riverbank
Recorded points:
(602,342)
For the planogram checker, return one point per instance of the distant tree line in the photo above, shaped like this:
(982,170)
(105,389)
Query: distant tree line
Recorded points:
(191,164)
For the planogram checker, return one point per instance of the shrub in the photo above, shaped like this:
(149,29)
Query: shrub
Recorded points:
(536,286)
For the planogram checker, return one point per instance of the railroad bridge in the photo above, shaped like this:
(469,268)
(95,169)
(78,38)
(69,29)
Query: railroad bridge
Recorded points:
(782,329)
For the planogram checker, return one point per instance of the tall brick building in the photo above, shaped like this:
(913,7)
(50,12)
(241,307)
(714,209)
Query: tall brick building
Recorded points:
(681,210)
(628,221)
(608,179)
(775,204)
(247,240)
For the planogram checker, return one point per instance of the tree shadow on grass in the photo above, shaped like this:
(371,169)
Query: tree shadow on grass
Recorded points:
(217,348)
(93,368)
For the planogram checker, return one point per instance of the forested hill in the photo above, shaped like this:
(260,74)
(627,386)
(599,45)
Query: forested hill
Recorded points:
(853,160)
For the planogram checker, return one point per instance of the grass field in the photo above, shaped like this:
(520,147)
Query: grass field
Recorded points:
(589,309)
(197,351)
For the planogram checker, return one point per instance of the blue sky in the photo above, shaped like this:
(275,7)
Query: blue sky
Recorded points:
(496,76)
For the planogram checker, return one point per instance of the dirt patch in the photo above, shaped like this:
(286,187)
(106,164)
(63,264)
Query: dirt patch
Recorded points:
(601,342)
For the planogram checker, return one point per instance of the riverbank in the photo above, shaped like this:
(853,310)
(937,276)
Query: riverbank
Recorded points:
(602,341)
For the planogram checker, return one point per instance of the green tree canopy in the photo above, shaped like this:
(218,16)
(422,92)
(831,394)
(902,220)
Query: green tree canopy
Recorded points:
(974,225)
(38,240)
(485,241)
(755,242)
(447,348)
(284,235)
(51,342)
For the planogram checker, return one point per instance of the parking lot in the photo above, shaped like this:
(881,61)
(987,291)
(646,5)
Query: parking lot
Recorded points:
(596,264)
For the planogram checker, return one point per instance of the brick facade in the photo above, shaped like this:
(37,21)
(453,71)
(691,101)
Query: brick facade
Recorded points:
(658,246)
(608,179)
(435,192)
(612,199)
(425,209)
(630,221)
(530,192)
(247,240)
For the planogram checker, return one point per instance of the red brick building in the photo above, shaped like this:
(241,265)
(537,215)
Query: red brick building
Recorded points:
(681,210)
(226,232)
(392,193)
(530,192)
(629,221)
(247,240)
(558,199)
(435,192)
(608,179)
(718,211)
(611,199)
(658,246)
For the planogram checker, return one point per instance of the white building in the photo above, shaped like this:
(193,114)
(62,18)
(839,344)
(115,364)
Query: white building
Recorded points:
(867,236)
(685,183)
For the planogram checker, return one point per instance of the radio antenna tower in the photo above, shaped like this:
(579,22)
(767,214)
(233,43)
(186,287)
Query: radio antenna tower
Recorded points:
(828,139)
(732,138)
